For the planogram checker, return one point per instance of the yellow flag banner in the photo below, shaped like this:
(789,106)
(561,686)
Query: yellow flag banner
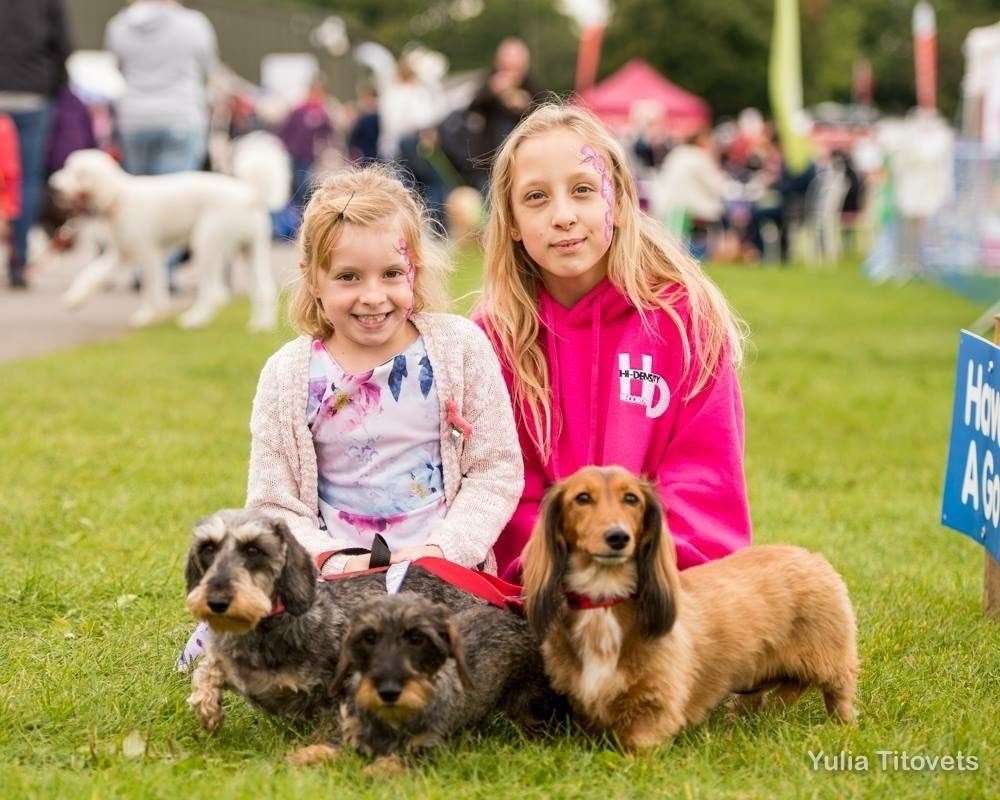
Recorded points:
(785,81)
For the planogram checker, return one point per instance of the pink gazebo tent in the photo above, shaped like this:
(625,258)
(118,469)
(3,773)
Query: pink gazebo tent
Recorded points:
(638,84)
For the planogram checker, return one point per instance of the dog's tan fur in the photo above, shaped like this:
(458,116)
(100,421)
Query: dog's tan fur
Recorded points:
(417,693)
(206,693)
(248,607)
(678,644)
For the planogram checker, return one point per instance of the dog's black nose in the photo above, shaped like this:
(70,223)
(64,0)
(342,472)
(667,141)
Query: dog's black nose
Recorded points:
(616,538)
(389,691)
(218,606)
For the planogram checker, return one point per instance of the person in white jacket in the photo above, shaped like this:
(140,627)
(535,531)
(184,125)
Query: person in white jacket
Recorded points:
(690,180)
(406,106)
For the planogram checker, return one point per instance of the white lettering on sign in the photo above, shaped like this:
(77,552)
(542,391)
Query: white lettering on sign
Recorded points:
(991,490)
(970,484)
(982,404)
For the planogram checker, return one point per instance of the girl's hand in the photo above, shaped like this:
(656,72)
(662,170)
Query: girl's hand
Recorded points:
(413,553)
(356,563)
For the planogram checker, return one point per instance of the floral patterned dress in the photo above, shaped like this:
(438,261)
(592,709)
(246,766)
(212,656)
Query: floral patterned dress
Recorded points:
(378,449)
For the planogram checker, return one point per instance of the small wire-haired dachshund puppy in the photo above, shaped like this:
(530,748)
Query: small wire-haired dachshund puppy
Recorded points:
(642,650)
(277,632)
(415,672)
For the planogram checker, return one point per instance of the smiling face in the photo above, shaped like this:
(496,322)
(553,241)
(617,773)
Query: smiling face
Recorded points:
(367,294)
(563,206)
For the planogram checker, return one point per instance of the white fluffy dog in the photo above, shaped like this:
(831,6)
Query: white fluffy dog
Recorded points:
(217,216)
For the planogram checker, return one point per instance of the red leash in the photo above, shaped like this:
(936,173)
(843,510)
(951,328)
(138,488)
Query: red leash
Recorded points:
(495,591)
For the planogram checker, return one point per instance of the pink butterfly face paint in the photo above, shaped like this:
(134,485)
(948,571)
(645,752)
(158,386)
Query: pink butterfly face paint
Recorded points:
(600,165)
(404,251)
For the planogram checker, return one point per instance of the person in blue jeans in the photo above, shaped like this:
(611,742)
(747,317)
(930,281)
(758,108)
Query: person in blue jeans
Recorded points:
(161,151)
(34,45)
(166,53)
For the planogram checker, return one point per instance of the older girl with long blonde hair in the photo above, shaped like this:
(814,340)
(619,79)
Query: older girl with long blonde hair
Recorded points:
(617,347)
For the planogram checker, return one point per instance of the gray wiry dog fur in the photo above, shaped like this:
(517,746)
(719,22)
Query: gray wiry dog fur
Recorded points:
(239,564)
(417,672)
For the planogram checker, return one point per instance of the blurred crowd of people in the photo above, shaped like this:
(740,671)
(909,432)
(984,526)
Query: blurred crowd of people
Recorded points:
(730,193)
(726,190)
(179,108)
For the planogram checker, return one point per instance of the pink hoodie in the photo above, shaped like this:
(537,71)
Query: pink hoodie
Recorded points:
(618,398)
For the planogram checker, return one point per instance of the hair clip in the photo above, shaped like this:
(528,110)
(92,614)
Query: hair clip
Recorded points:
(340,214)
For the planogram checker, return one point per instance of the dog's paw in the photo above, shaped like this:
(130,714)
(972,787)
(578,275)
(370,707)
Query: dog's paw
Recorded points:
(742,705)
(147,315)
(196,317)
(207,707)
(74,299)
(313,754)
(840,705)
(385,767)
(423,742)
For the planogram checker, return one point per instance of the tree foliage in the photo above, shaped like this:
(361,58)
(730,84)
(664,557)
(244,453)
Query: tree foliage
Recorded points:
(469,43)
(715,48)
(718,48)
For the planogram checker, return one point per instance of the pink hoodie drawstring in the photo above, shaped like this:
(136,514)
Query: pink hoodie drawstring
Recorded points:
(596,364)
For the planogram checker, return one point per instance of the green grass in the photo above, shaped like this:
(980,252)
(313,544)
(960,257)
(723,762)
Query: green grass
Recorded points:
(109,452)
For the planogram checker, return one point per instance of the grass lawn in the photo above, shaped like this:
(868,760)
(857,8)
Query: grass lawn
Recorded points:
(111,451)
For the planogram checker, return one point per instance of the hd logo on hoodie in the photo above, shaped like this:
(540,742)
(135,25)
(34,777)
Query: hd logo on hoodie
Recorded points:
(654,393)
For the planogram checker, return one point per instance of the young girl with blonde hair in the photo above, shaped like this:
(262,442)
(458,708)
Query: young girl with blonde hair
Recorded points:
(384,417)
(616,346)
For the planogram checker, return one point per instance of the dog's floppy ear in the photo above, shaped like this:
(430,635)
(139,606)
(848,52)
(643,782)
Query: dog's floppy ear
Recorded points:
(440,628)
(193,573)
(296,585)
(449,633)
(545,558)
(656,592)
(344,666)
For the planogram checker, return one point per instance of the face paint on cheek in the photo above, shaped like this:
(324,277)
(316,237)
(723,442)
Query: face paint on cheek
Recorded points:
(404,251)
(600,164)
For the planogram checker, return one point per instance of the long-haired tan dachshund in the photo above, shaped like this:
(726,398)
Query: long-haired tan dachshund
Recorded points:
(643,651)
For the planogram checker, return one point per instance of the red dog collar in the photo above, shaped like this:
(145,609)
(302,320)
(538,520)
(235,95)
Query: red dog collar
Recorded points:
(277,608)
(582,602)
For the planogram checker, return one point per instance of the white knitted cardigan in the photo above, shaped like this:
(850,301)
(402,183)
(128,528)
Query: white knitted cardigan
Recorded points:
(483,470)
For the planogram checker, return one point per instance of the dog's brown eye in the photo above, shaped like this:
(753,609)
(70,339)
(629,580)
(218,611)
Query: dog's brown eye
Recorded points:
(583,498)
(368,637)
(414,637)
(207,549)
(631,499)
(252,550)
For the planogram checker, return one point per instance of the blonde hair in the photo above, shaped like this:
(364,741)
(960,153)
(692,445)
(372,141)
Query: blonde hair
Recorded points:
(364,196)
(644,264)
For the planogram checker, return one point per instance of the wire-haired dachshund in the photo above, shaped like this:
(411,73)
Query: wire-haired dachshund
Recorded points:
(277,632)
(415,672)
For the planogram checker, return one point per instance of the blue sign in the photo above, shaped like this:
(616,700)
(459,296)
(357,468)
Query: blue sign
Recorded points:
(972,484)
